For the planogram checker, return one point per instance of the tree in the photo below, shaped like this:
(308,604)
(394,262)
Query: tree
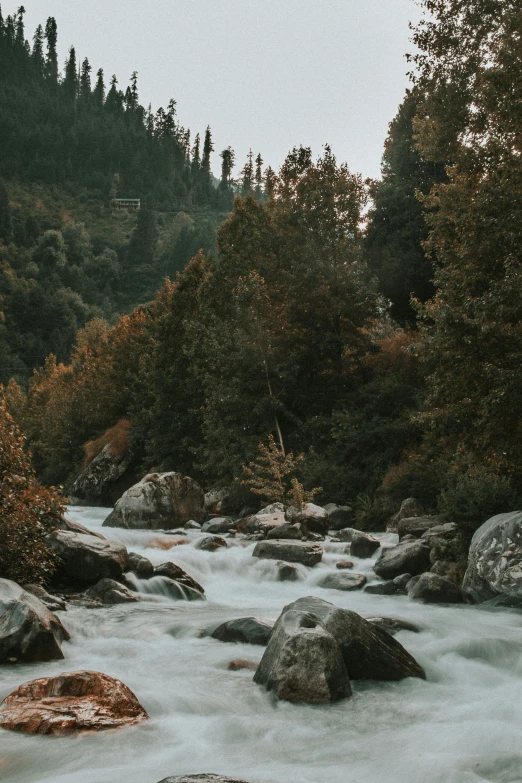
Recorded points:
(51,36)
(85,80)
(247,175)
(38,50)
(70,81)
(208,148)
(258,177)
(28,511)
(396,227)
(6,228)
(227,165)
(468,71)
(99,89)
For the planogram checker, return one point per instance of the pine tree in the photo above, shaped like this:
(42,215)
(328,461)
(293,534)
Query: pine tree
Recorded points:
(196,158)
(258,177)
(19,27)
(134,101)
(51,36)
(208,148)
(227,165)
(99,89)
(38,50)
(247,175)
(85,80)
(70,81)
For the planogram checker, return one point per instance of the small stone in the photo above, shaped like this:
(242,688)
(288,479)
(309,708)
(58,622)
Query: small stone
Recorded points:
(343,581)
(381,588)
(342,564)
(211,543)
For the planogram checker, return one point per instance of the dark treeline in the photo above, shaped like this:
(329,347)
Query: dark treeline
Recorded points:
(71,144)
(373,328)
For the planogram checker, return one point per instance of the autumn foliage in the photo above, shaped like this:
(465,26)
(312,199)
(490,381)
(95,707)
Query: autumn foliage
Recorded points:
(28,511)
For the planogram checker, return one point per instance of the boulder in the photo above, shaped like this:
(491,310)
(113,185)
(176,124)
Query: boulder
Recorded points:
(392,624)
(409,508)
(217,525)
(381,588)
(246,630)
(445,567)
(346,534)
(266,519)
(339,517)
(107,591)
(308,554)
(71,702)
(416,526)
(105,478)
(192,525)
(410,557)
(211,543)
(170,588)
(86,559)
(288,572)
(495,560)
(75,527)
(446,543)
(159,501)
(141,566)
(204,778)
(285,531)
(363,545)
(312,518)
(173,571)
(52,602)
(401,583)
(345,582)
(434,589)
(29,631)
(301,663)
(216,500)
(241,663)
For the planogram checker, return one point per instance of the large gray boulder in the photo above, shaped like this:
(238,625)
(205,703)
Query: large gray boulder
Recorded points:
(246,630)
(104,479)
(312,518)
(301,661)
(416,526)
(217,525)
(434,589)
(86,559)
(159,501)
(29,631)
(287,530)
(446,543)
(412,557)
(495,561)
(409,508)
(363,545)
(308,554)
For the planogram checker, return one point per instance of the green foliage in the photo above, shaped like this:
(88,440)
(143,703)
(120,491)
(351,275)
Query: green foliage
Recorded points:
(371,513)
(28,511)
(473,498)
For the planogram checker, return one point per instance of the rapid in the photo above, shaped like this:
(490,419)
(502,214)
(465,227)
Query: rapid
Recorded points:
(461,725)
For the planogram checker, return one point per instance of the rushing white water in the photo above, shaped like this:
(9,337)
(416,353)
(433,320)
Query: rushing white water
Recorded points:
(461,725)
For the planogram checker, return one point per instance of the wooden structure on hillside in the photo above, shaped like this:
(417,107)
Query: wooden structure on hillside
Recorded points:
(130,204)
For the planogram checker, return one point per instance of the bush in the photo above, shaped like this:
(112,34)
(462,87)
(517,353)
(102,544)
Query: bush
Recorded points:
(475,497)
(371,514)
(415,477)
(28,511)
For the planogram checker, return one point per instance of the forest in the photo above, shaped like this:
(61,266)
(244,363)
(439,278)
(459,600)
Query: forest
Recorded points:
(370,327)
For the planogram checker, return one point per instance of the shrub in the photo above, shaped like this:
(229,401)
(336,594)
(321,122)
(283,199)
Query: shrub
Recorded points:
(118,437)
(475,497)
(371,514)
(28,511)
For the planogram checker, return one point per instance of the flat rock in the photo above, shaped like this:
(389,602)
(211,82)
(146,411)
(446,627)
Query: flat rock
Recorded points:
(341,581)
(70,703)
(86,559)
(205,778)
(432,588)
(217,525)
(416,526)
(393,625)
(308,554)
(159,501)
(246,630)
(409,557)
(29,631)
(287,530)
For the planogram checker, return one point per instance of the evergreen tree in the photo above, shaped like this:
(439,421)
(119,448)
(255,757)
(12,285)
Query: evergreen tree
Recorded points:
(208,148)
(196,156)
(70,81)
(38,50)
(19,27)
(51,36)
(85,80)
(227,165)
(6,228)
(247,175)
(258,177)
(99,89)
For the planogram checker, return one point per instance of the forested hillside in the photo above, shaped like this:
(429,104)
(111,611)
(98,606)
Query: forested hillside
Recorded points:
(372,328)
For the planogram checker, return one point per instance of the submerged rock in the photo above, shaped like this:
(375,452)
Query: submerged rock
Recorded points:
(346,534)
(159,501)
(288,572)
(363,545)
(217,525)
(432,588)
(308,554)
(343,581)
(141,566)
(204,778)
(241,663)
(381,588)
(29,631)
(211,543)
(107,591)
(246,630)
(177,573)
(344,564)
(70,702)
(411,557)
(495,561)
(86,559)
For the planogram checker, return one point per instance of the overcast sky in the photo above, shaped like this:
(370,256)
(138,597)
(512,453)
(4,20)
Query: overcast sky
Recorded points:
(266,74)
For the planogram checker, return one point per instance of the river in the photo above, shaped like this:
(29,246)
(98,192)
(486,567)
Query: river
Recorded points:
(462,725)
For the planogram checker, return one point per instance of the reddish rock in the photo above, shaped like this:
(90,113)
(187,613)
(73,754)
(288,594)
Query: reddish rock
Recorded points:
(241,663)
(70,702)
(342,564)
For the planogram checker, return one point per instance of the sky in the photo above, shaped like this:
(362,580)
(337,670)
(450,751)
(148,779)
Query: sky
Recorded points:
(264,74)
